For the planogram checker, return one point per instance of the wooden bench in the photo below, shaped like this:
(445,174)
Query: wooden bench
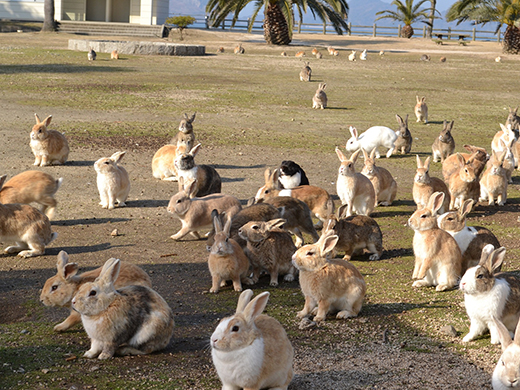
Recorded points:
(447,36)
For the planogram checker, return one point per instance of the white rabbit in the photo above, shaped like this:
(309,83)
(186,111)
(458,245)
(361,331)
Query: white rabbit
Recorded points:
(251,350)
(112,181)
(372,138)
(507,371)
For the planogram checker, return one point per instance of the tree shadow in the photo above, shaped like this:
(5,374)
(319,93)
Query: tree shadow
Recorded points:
(58,68)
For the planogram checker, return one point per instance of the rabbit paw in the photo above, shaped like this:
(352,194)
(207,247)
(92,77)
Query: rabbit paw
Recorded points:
(288,277)
(345,314)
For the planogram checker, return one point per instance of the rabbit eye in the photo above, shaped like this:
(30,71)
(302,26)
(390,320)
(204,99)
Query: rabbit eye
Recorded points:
(266,191)
(423,216)
(106,162)
(54,288)
(479,276)
(310,253)
(226,239)
(235,328)
(39,131)
(254,227)
(92,293)
(450,219)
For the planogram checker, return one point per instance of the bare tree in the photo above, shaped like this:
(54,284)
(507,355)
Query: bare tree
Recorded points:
(49,24)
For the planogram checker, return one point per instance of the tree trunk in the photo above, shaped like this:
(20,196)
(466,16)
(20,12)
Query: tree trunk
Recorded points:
(511,43)
(276,29)
(49,24)
(407,31)
(429,30)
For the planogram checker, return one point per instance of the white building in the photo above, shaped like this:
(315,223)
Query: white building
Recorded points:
(146,12)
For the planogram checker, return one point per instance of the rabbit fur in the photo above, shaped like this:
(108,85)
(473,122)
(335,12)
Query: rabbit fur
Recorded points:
(113,182)
(444,144)
(385,186)
(50,147)
(373,138)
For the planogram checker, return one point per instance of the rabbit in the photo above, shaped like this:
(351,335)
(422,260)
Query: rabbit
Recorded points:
(134,320)
(163,162)
(269,247)
(329,285)
(403,143)
(291,175)
(113,182)
(314,51)
(114,55)
(331,50)
(463,184)
(319,100)
(513,120)
(355,234)
(507,135)
(27,227)
(372,138)
(354,189)
(300,54)
(91,54)
(306,72)
(479,158)
(251,350)
(185,135)
(207,178)
(319,56)
(421,110)
(31,186)
(319,201)
(227,260)
(253,212)
(444,144)
(50,147)
(297,215)
(363,55)
(239,49)
(509,159)
(507,371)
(61,288)
(385,187)
(438,259)
(195,212)
(352,56)
(489,293)
(472,239)
(425,185)
(425,57)
(493,184)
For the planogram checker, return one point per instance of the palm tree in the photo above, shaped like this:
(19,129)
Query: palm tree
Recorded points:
(484,11)
(279,15)
(409,13)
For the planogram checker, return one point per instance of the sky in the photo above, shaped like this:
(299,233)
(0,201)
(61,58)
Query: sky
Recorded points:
(442,5)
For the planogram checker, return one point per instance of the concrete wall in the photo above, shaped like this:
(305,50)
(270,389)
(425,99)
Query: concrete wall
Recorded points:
(21,10)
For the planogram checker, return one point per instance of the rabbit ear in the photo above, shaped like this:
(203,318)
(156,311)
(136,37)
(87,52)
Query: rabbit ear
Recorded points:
(355,155)
(274,177)
(427,163)
(419,162)
(466,207)
(496,259)
(2,180)
(227,227)
(38,121)
(341,210)
(365,155)
(328,244)
(486,253)
(503,333)
(341,156)
(191,188)
(251,201)
(193,152)
(256,307)
(47,121)
(461,160)
(63,259)
(110,271)
(399,119)
(504,129)
(423,98)
(435,202)
(406,120)
(267,176)
(274,223)
(354,132)
(192,118)
(373,153)
(243,300)
(417,98)
(217,224)
(117,156)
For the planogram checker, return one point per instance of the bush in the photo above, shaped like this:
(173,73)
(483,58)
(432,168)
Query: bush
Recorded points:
(181,22)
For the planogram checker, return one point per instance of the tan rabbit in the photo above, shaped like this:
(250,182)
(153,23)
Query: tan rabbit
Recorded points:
(479,158)
(114,55)
(31,186)
(314,51)
(61,288)
(471,239)
(227,260)
(185,137)
(506,134)
(509,159)
(385,186)
(300,54)
(329,285)
(163,162)
(507,371)
(421,109)
(319,100)
(207,178)
(352,56)
(113,182)
(438,259)
(354,189)
(493,184)
(355,234)
(134,320)
(195,213)
(50,147)
(239,49)
(425,185)
(444,144)
(306,72)
(404,140)
(319,201)
(251,350)
(269,247)
(463,184)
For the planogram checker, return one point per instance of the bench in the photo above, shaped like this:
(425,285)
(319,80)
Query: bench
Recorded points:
(447,36)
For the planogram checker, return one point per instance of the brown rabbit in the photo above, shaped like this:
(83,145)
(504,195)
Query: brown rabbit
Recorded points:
(513,119)
(404,140)
(185,137)
(31,186)
(463,184)
(421,110)
(425,185)
(493,184)
(319,100)
(306,72)
(48,146)
(385,186)
(451,163)
(438,260)
(444,144)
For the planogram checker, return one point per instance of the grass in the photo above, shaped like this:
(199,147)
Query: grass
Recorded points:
(257,100)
